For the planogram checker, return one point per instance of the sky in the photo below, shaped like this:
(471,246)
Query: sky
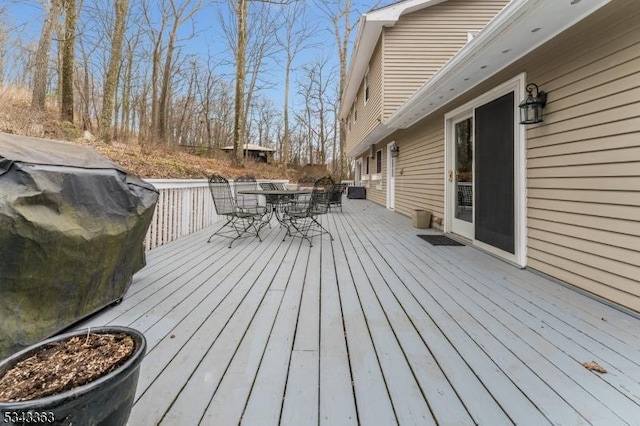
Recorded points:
(25,17)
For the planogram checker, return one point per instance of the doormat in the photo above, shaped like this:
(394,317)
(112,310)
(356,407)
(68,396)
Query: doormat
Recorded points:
(440,240)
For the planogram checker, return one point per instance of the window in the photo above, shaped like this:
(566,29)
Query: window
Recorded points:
(366,87)
(355,110)
(379,161)
(366,165)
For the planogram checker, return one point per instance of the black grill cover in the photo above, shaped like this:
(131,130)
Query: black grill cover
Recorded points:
(72,228)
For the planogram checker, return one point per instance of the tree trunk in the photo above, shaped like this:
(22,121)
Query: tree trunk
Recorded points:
(163,107)
(39,94)
(68,56)
(241,52)
(86,118)
(111,80)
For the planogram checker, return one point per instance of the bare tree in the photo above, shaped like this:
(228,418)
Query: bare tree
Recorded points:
(156,35)
(248,62)
(4,37)
(315,88)
(266,117)
(68,61)
(39,93)
(84,83)
(179,15)
(293,37)
(111,80)
(242,12)
(339,13)
(205,91)
(128,68)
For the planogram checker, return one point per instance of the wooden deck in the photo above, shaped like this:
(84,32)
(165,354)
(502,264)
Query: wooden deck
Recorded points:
(377,327)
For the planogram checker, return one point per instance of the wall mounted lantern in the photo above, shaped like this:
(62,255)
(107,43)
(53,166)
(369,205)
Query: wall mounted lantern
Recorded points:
(531,108)
(395,150)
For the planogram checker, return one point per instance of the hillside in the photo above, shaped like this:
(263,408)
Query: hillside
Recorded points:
(17,118)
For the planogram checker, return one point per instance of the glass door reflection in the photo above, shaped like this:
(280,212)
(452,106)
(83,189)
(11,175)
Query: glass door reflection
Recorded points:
(464,169)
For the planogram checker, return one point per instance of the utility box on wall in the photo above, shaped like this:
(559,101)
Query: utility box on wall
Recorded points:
(357,192)
(421,219)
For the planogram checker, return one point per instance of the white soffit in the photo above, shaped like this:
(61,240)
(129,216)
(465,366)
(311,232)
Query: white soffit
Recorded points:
(369,30)
(518,29)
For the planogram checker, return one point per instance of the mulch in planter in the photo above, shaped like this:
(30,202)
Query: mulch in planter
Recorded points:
(65,365)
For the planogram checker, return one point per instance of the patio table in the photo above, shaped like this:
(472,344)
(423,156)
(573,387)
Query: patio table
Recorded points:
(276,199)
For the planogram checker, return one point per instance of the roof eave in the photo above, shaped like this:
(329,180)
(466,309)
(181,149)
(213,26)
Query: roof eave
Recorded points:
(490,52)
(369,31)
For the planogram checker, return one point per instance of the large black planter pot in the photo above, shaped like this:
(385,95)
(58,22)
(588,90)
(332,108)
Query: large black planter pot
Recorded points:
(105,401)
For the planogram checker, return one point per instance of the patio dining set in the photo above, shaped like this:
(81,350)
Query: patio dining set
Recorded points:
(298,211)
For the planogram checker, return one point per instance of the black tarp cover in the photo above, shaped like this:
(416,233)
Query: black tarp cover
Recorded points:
(72,227)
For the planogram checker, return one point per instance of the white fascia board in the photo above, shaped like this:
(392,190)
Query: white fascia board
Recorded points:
(521,27)
(369,30)
(378,133)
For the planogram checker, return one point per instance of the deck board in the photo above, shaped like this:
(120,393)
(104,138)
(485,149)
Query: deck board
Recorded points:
(507,345)
(337,404)
(409,402)
(375,327)
(264,404)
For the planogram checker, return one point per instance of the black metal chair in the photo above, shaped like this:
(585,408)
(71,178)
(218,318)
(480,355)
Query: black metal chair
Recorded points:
(465,196)
(302,214)
(250,202)
(241,222)
(268,186)
(335,199)
(325,182)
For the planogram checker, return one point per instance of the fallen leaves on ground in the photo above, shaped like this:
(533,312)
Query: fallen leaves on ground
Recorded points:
(594,366)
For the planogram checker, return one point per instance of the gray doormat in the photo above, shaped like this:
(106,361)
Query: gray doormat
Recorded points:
(440,240)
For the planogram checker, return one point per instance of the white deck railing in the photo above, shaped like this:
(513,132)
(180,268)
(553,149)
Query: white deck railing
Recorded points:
(184,206)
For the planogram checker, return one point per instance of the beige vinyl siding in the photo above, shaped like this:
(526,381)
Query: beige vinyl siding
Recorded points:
(583,163)
(369,113)
(420,170)
(377,189)
(422,42)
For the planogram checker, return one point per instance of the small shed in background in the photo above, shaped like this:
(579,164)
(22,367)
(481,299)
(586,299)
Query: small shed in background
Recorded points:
(255,152)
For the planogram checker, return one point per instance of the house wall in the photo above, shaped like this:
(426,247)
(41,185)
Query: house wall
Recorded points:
(583,162)
(422,42)
(368,113)
(376,183)
(583,169)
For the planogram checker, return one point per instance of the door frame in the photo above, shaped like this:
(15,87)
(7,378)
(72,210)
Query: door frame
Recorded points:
(463,228)
(391,178)
(517,86)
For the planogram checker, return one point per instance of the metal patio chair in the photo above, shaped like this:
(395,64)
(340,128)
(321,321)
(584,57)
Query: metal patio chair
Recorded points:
(337,190)
(325,182)
(241,222)
(302,213)
(268,186)
(250,202)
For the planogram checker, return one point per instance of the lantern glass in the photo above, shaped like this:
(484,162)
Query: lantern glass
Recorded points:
(531,109)
(530,113)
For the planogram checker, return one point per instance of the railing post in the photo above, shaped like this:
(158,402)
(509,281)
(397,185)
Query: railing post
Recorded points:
(186,211)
